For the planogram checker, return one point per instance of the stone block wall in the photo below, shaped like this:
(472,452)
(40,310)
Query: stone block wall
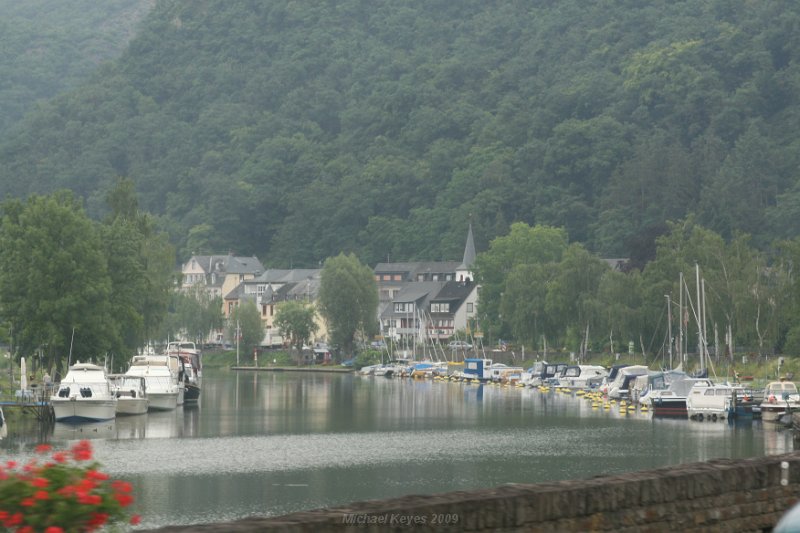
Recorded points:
(721,495)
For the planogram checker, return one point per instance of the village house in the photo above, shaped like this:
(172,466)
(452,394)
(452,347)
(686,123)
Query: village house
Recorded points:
(417,300)
(427,301)
(268,290)
(217,275)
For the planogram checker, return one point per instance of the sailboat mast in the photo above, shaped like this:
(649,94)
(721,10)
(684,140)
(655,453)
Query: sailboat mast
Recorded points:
(705,339)
(680,318)
(669,328)
(700,339)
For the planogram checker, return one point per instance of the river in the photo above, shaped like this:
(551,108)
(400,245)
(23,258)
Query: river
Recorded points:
(273,443)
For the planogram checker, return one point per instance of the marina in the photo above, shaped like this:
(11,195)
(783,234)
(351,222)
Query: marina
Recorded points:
(271,443)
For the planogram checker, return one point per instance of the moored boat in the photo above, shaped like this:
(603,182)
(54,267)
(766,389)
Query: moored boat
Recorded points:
(619,388)
(84,395)
(780,398)
(718,401)
(671,402)
(582,376)
(192,368)
(131,393)
(165,388)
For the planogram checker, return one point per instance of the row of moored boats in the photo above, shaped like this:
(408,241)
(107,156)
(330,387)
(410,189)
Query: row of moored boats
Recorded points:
(153,382)
(670,393)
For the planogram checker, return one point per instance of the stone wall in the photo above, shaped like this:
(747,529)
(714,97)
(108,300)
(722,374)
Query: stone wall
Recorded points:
(720,495)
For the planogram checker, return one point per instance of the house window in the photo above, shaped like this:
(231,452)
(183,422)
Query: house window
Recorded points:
(397,277)
(263,310)
(440,308)
(436,277)
(402,308)
(469,307)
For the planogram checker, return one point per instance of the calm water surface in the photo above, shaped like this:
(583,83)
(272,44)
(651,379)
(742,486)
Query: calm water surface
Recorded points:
(274,443)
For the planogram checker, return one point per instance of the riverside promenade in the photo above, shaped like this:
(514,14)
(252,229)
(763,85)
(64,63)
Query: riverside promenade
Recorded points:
(720,495)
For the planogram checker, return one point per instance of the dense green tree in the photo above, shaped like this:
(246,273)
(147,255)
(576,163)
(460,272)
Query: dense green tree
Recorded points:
(523,245)
(572,293)
(381,131)
(194,314)
(296,321)
(245,324)
(348,300)
(55,288)
(141,267)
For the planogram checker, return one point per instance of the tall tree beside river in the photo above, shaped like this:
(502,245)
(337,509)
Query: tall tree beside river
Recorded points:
(61,273)
(348,300)
(54,279)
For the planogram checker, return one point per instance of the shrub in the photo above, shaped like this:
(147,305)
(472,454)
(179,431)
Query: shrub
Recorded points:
(62,491)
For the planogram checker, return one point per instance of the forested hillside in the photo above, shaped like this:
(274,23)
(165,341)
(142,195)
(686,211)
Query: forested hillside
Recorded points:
(297,130)
(48,46)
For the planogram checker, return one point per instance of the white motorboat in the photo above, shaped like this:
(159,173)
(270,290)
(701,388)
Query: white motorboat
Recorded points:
(780,398)
(131,393)
(718,401)
(84,395)
(582,376)
(619,388)
(162,376)
(3,425)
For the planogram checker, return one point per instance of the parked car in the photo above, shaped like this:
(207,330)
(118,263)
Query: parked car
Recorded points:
(459,345)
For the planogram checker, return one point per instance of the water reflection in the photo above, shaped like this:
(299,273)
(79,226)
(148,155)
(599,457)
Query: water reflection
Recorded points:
(274,443)
(95,430)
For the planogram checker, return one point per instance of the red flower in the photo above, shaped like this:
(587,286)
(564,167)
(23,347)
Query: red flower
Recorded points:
(67,490)
(60,457)
(43,448)
(53,529)
(40,482)
(136,520)
(94,474)
(11,465)
(98,519)
(41,495)
(124,499)
(90,499)
(26,529)
(82,451)
(86,485)
(3,515)
(121,486)
(14,520)
(27,502)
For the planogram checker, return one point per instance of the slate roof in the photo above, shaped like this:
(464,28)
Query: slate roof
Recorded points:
(228,264)
(411,269)
(469,251)
(285,275)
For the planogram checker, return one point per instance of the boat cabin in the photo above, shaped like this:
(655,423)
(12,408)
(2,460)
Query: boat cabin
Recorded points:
(478,368)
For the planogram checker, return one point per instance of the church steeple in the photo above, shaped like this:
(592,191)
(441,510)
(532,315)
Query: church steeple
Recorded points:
(464,271)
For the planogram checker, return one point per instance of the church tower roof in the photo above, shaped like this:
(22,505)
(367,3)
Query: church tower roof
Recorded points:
(469,252)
